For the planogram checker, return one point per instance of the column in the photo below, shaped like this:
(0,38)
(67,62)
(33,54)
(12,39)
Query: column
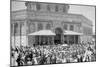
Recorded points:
(67,39)
(35,39)
(20,33)
(13,34)
(74,40)
(53,40)
(78,38)
(36,25)
(26,28)
(44,25)
(48,40)
(39,40)
(62,38)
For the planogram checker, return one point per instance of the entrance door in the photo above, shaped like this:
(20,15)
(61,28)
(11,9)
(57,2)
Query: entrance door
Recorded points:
(58,37)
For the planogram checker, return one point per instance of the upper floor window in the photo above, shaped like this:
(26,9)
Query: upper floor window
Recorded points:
(64,8)
(56,8)
(38,7)
(48,7)
(40,26)
(65,26)
(48,26)
(32,27)
(71,27)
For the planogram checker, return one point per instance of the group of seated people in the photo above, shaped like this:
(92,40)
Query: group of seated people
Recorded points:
(52,54)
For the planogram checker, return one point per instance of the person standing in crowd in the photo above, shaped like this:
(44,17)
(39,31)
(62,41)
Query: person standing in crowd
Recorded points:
(48,59)
(52,54)
(53,59)
(19,60)
(42,60)
(87,55)
(13,59)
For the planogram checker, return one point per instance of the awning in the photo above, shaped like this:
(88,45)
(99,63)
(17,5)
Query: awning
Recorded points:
(43,32)
(72,33)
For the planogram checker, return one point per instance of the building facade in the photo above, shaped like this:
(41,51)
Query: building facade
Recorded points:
(47,16)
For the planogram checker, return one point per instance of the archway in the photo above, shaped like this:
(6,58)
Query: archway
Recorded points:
(59,35)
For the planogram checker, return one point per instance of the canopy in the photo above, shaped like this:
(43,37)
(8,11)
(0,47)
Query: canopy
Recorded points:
(72,33)
(43,32)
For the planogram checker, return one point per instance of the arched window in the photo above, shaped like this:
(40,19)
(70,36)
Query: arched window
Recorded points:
(48,7)
(48,26)
(64,8)
(71,27)
(40,26)
(56,8)
(58,31)
(38,7)
(65,26)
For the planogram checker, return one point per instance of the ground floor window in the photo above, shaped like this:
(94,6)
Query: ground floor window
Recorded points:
(49,40)
(71,39)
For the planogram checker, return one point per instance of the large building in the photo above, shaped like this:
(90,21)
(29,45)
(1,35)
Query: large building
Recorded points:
(48,22)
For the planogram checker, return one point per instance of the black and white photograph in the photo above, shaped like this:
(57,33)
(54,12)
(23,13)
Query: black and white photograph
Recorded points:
(45,33)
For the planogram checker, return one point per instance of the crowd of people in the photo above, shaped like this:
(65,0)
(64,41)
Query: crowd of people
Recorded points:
(53,54)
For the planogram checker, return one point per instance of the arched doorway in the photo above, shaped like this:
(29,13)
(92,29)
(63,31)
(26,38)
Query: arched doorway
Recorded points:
(58,37)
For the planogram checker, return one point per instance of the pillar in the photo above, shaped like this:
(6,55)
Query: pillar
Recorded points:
(39,40)
(48,40)
(26,31)
(68,38)
(34,40)
(36,26)
(74,39)
(13,34)
(62,38)
(20,33)
(78,38)
(52,40)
